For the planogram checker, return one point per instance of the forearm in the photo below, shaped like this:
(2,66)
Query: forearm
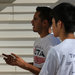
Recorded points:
(30,68)
(33,69)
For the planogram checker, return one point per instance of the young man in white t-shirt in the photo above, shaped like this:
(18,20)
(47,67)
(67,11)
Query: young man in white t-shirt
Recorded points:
(61,58)
(41,23)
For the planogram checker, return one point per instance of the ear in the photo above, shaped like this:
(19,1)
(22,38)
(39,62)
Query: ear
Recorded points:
(49,30)
(45,22)
(60,24)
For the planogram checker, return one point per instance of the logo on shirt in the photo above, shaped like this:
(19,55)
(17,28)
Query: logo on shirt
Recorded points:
(39,56)
(39,53)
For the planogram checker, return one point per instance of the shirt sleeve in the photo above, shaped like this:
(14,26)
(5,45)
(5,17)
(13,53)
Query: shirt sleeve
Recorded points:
(47,50)
(51,64)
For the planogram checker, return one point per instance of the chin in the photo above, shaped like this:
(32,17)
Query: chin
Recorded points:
(34,30)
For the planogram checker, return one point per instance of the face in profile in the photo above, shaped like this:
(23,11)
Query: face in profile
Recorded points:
(36,22)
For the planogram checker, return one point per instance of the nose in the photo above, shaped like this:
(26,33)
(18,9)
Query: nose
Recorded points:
(32,21)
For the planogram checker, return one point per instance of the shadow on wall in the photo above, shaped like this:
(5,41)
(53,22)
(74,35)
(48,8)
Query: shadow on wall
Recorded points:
(60,1)
(6,3)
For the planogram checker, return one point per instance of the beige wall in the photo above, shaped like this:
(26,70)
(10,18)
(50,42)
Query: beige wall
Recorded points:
(16,33)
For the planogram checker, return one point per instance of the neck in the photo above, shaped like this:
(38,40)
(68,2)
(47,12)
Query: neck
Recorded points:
(43,34)
(68,36)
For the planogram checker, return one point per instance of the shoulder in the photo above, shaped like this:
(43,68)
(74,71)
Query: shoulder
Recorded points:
(52,37)
(59,48)
(38,40)
(52,40)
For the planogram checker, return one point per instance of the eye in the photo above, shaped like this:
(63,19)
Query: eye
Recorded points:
(35,18)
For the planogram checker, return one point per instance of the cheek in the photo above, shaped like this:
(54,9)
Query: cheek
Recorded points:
(37,23)
(37,27)
(53,28)
(54,31)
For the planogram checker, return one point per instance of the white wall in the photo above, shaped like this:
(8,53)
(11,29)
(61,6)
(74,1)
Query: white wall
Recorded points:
(16,33)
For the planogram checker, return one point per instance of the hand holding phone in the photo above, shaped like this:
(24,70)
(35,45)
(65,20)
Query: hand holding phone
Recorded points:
(8,56)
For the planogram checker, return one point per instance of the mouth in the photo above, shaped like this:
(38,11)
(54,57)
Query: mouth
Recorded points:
(32,25)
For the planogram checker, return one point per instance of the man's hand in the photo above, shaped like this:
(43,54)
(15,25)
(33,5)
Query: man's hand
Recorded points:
(14,60)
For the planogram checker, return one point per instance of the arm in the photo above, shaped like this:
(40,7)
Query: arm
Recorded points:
(51,64)
(30,67)
(17,61)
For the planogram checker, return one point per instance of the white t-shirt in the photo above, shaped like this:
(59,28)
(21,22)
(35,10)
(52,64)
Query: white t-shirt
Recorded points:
(60,59)
(41,47)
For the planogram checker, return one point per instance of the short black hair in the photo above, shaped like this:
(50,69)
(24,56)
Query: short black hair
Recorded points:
(45,14)
(66,13)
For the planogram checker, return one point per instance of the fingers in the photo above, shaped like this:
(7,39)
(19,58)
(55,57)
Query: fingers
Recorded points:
(7,61)
(5,55)
(10,60)
(14,55)
(8,57)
